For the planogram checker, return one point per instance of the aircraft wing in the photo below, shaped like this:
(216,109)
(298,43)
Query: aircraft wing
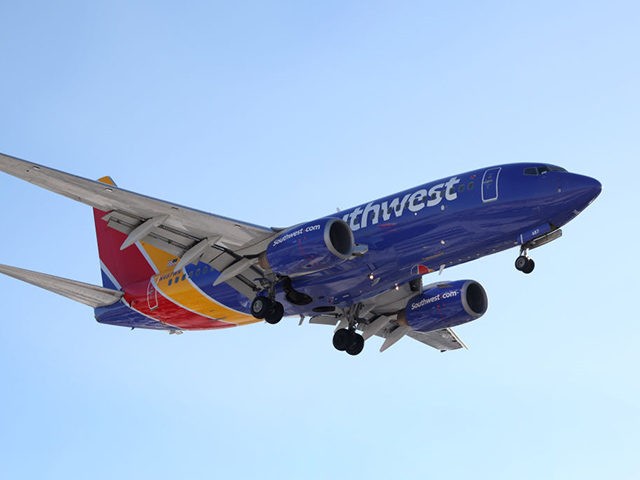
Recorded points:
(187,233)
(444,339)
(110,198)
(381,314)
(86,293)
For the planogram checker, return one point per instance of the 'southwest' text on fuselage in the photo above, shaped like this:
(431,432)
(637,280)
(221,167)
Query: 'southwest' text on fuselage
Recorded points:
(370,214)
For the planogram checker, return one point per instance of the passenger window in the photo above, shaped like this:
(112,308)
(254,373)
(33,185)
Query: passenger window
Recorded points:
(470,186)
(170,281)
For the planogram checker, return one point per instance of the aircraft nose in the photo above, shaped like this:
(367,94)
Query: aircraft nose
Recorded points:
(583,189)
(590,186)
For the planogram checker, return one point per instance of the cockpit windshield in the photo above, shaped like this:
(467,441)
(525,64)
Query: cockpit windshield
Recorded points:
(542,169)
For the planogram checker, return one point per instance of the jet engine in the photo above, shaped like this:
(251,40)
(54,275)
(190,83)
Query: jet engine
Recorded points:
(308,248)
(445,305)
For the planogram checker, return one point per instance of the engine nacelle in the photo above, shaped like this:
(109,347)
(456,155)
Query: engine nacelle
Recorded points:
(445,305)
(308,248)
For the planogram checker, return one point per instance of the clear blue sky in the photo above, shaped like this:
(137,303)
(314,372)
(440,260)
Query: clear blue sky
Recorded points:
(278,112)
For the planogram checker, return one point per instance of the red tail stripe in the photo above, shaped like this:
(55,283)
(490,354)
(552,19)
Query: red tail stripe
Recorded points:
(165,311)
(127,266)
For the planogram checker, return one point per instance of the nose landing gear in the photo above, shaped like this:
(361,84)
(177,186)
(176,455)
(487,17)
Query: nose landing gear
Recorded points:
(524,263)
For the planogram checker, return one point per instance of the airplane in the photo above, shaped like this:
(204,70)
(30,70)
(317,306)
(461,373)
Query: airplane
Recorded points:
(169,267)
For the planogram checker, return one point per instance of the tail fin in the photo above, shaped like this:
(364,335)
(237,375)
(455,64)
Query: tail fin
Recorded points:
(120,267)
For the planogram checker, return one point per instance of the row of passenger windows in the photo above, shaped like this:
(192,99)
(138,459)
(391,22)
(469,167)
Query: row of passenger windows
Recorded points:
(198,272)
(461,188)
(542,170)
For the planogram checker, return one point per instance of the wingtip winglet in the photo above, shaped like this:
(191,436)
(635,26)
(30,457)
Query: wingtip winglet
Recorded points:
(107,180)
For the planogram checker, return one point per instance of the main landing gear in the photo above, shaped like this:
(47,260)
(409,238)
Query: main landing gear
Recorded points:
(268,309)
(524,263)
(347,340)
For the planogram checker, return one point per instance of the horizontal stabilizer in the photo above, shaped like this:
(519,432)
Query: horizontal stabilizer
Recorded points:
(86,293)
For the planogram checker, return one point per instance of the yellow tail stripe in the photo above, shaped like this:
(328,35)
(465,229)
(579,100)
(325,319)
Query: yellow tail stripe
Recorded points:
(162,260)
(187,295)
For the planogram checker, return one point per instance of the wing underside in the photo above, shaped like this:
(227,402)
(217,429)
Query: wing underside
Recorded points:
(110,198)
(444,339)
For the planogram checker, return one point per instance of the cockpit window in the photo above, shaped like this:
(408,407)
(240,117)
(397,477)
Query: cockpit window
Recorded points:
(541,170)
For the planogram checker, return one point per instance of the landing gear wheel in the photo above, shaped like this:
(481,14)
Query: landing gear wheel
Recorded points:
(275,314)
(261,306)
(521,263)
(529,266)
(341,339)
(356,345)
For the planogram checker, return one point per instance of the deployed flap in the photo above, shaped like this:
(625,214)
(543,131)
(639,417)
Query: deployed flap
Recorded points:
(86,293)
(444,339)
(394,336)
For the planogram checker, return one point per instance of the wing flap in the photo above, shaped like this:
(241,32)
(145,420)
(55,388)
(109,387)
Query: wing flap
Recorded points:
(85,293)
(444,339)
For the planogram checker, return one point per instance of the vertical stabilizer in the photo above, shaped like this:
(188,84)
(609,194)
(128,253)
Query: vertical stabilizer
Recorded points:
(119,267)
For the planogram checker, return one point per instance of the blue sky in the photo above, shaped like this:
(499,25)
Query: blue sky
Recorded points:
(278,112)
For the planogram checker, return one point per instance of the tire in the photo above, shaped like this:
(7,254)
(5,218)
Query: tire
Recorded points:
(356,345)
(529,266)
(275,314)
(521,263)
(260,306)
(341,339)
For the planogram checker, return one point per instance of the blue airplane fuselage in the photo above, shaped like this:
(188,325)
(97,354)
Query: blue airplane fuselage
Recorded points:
(448,222)
(406,235)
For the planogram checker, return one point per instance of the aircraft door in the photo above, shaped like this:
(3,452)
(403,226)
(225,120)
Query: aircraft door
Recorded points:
(152,296)
(490,184)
